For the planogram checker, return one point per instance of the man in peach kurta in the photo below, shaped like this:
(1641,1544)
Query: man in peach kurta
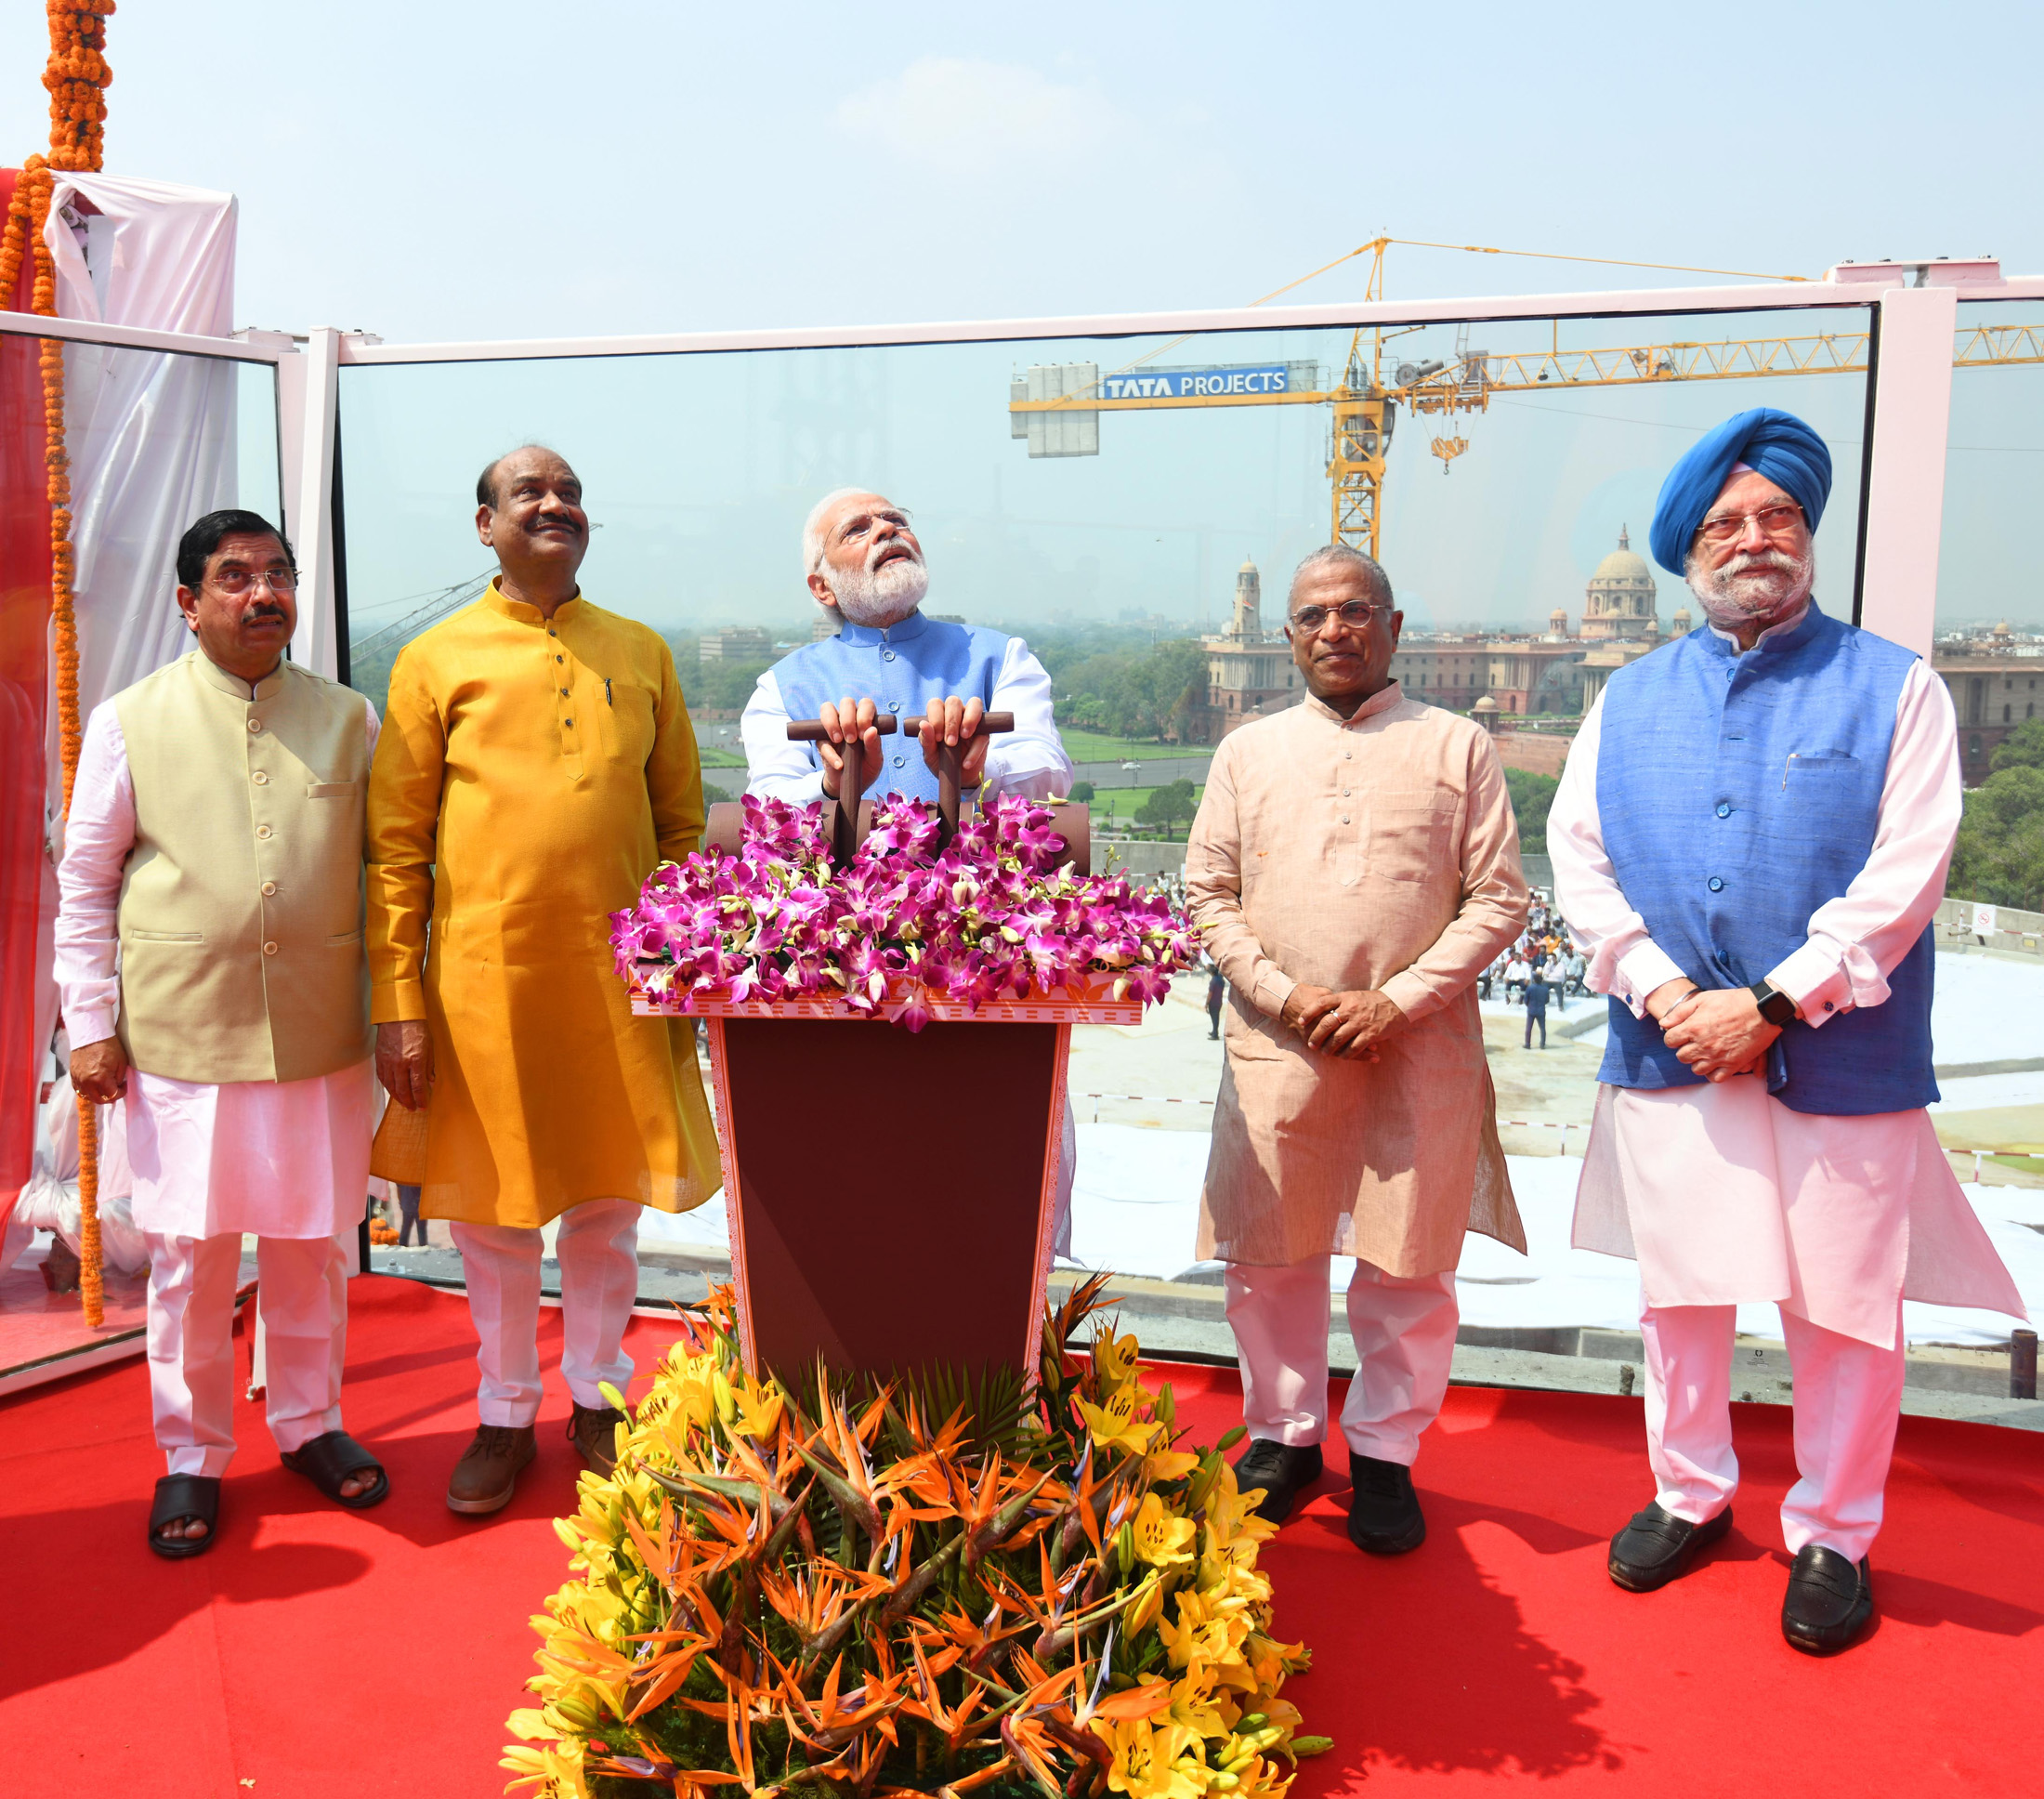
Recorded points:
(536,765)
(1353,867)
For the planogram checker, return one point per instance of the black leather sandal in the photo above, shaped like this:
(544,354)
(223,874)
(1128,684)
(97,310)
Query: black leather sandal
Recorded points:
(182,1496)
(329,1460)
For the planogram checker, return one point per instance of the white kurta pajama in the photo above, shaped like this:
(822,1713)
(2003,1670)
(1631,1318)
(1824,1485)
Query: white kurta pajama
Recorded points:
(1725,1196)
(285,1162)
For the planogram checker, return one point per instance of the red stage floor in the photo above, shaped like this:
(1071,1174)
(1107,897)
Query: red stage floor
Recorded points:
(317,1652)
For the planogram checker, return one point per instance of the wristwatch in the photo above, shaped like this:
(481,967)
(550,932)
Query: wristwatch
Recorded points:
(1775,1006)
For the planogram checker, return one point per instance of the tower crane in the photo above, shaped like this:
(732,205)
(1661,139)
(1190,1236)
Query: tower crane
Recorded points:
(1363,405)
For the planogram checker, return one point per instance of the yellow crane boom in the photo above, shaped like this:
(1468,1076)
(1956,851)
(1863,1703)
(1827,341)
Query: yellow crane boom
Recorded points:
(1364,406)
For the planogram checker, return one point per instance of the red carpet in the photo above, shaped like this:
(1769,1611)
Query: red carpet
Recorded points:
(319,1653)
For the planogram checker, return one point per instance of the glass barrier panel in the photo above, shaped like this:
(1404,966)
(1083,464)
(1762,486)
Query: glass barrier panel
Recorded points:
(1134,507)
(1990,654)
(152,440)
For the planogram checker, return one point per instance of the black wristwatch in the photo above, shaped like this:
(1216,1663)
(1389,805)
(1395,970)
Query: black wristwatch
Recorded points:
(1775,1006)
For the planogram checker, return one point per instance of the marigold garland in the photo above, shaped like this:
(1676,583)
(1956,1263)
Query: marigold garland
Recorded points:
(77,77)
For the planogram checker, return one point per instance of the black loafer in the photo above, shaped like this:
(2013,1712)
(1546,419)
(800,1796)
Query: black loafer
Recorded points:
(1657,1546)
(1384,1512)
(1281,1470)
(1828,1601)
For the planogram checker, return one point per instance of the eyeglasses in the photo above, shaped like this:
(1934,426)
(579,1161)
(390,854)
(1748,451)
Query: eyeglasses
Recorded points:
(1358,614)
(239,581)
(1775,520)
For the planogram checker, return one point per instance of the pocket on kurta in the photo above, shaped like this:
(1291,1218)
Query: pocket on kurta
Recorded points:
(1409,837)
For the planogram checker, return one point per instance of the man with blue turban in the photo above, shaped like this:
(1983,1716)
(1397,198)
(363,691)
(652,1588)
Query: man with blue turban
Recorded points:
(1749,841)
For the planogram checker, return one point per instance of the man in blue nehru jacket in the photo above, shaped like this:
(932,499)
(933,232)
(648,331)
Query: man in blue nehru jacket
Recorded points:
(865,568)
(1751,841)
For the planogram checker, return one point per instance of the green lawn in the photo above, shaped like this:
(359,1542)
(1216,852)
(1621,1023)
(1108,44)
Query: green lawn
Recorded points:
(721,758)
(1090,746)
(1114,810)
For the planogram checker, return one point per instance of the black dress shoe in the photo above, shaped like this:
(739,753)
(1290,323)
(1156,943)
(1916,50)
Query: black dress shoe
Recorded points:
(1281,1470)
(1384,1512)
(1828,1601)
(1657,1547)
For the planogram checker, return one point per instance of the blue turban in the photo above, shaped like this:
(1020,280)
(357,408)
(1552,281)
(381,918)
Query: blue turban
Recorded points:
(1774,443)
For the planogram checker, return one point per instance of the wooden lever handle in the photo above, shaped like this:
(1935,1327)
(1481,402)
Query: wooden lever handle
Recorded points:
(810,731)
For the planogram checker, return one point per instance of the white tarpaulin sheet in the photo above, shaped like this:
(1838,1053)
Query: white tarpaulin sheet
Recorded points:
(151,436)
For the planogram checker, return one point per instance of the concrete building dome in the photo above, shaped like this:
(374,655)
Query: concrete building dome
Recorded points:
(1621,598)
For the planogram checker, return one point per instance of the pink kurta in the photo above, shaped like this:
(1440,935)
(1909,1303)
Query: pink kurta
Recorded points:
(1722,1194)
(1372,852)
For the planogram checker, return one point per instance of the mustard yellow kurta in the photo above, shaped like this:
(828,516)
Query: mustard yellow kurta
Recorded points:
(530,774)
(1376,851)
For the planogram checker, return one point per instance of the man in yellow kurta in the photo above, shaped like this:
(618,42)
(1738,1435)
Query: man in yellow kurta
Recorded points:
(536,763)
(1353,867)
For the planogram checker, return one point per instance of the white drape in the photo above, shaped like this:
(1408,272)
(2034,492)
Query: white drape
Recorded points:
(151,437)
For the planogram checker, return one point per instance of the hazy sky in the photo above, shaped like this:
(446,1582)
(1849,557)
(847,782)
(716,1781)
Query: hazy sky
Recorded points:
(444,171)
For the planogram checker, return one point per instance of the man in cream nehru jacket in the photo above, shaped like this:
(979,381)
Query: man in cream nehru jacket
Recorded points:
(214,845)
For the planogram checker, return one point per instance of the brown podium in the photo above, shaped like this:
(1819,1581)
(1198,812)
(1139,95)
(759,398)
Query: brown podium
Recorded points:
(891,1193)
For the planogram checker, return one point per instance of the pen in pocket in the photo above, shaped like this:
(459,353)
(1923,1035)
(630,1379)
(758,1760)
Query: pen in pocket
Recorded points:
(607,698)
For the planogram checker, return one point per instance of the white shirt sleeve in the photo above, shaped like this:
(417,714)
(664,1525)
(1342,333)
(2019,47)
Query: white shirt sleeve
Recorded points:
(1857,940)
(98,837)
(371,724)
(775,768)
(1030,760)
(1624,960)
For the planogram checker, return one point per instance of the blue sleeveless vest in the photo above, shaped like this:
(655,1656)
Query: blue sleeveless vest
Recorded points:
(902,668)
(1737,794)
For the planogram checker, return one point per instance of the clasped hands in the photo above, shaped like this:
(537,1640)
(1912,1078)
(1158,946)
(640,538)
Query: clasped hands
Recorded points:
(1340,1024)
(1719,1033)
(948,723)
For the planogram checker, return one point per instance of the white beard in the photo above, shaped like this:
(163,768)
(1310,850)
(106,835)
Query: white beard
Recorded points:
(1760,589)
(878,599)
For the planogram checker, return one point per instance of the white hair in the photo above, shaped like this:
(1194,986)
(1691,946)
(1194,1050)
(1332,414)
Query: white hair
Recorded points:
(812,529)
(1343,555)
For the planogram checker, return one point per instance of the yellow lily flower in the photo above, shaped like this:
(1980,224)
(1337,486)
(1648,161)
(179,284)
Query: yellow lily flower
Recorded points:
(1168,1464)
(1145,1607)
(1115,1424)
(758,1413)
(1193,1705)
(1161,1540)
(1115,1358)
(1146,1759)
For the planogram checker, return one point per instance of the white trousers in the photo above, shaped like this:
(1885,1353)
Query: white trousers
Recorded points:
(1848,1399)
(301,1292)
(1404,1332)
(598,1248)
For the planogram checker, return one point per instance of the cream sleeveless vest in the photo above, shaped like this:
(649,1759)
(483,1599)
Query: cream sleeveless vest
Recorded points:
(241,905)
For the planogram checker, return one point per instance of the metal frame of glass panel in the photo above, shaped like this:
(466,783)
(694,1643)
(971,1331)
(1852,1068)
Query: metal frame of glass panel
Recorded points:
(1915,311)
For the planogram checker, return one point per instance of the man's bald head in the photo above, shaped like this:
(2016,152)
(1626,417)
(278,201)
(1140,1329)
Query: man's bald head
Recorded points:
(489,491)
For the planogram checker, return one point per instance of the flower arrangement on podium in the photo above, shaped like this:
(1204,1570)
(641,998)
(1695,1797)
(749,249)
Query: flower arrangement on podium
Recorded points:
(863,1592)
(905,930)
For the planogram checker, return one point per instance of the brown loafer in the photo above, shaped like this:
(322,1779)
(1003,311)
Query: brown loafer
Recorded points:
(594,1432)
(487,1473)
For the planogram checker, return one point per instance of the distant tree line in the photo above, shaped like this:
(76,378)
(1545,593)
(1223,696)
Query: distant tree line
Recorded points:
(1531,795)
(1148,694)
(2000,854)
